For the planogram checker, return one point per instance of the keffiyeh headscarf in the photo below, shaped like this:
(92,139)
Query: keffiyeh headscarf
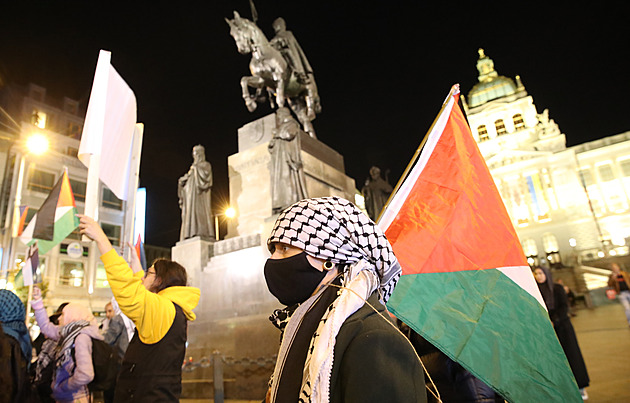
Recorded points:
(12,316)
(334,229)
(75,318)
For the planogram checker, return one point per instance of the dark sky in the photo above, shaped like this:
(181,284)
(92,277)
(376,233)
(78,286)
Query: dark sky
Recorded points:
(382,69)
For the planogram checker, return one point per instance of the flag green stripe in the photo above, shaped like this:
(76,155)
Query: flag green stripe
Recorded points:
(492,327)
(63,227)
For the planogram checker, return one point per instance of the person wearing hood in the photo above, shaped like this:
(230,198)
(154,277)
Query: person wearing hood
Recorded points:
(160,305)
(15,350)
(73,355)
(334,269)
(558,307)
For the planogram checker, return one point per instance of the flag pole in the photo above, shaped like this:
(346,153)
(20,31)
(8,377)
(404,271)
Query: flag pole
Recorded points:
(134,179)
(417,153)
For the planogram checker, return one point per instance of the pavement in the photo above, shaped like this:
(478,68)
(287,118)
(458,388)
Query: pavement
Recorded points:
(604,337)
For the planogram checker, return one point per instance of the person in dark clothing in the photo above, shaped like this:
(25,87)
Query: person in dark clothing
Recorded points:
(334,268)
(454,383)
(15,350)
(557,304)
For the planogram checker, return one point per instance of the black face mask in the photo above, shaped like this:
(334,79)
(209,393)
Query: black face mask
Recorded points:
(293,279)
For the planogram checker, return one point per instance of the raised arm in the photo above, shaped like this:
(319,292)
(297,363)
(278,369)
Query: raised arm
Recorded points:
(49,329)
(152,314)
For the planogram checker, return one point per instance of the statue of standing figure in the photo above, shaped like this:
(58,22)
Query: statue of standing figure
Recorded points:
(288,184)
(280,67)
(376,192)
(194,190)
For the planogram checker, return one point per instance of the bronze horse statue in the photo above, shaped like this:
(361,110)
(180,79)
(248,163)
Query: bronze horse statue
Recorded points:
(273,68)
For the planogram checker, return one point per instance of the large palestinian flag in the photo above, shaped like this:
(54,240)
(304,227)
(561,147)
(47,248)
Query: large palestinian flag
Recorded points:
(55,220)
(466,286)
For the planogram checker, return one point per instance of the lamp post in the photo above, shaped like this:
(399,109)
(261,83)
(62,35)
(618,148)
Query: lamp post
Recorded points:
(36,144)
(229,213)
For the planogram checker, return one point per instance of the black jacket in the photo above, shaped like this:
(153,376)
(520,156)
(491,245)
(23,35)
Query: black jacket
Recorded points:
(374,362)
(15,385)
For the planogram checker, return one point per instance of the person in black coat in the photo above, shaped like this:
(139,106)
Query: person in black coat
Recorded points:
(15,351)
(334,268)
(558,306)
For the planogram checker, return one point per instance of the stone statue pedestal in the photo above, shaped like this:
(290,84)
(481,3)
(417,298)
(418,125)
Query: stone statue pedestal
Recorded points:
(232,316)
(250,176)
(193,253)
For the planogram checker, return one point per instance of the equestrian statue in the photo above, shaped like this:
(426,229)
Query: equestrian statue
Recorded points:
(278,66)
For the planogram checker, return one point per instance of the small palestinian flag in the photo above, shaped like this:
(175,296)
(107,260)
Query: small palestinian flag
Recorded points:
(55,220)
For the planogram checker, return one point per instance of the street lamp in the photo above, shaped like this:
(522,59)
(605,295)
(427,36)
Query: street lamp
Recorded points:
(36,144)
(229,213)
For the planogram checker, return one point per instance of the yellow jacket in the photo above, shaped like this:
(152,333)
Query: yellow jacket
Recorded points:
(152,313)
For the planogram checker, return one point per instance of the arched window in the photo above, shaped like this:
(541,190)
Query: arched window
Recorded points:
(500,127)
(529,247)
(519,123)
(483,133)
(550,242)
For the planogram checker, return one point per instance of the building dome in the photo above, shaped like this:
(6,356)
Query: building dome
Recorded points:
(491,85)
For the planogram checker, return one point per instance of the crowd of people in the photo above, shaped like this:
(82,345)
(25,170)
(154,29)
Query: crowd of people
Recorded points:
(332,268)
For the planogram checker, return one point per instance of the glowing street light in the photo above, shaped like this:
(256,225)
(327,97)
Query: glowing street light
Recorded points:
(37,144)
(229,213)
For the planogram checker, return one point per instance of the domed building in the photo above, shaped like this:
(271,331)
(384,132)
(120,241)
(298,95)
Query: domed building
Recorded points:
(569,205)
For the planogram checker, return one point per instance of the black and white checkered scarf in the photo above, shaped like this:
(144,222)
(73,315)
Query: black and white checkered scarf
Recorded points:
(334,229)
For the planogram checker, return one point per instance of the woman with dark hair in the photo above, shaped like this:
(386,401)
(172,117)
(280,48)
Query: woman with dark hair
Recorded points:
(557,304)
(160,305)
(15,350)
(334,269)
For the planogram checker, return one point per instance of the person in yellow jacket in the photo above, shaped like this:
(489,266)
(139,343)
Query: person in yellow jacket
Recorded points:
(160,304)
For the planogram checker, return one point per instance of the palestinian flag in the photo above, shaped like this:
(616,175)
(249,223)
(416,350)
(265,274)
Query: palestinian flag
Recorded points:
(139,247)
(466,286)
(55,220)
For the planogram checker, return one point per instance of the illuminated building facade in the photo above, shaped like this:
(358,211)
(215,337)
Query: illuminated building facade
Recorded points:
(65,268)
(566,203)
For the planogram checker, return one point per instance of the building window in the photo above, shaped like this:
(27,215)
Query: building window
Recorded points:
(110,200)
(586,177)
(550,242)
(605,173)
(112,232)
(483,133)
(73,152)
(38,118)
(41,181)
(500,127)
(519,123)
(71,272)
(625,167)
(74,130)
(101,277)
(78,188)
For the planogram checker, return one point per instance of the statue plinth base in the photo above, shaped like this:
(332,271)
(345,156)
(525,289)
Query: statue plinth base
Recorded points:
(250,176)
(232,316)
(193,253)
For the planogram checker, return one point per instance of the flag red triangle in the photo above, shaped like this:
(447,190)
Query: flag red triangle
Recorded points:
(454,187)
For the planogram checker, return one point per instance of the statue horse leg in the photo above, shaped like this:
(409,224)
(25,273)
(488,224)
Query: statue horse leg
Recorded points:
(253,82)
(298,106)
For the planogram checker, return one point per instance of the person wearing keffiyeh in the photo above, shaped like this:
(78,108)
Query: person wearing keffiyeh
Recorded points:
(15,349)
(334,269)
(73,355)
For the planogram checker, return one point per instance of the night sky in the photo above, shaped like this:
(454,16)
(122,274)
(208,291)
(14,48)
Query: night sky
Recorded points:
(382,70)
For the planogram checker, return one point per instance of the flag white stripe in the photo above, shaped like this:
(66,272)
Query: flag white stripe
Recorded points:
(522,276)
(403,192)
